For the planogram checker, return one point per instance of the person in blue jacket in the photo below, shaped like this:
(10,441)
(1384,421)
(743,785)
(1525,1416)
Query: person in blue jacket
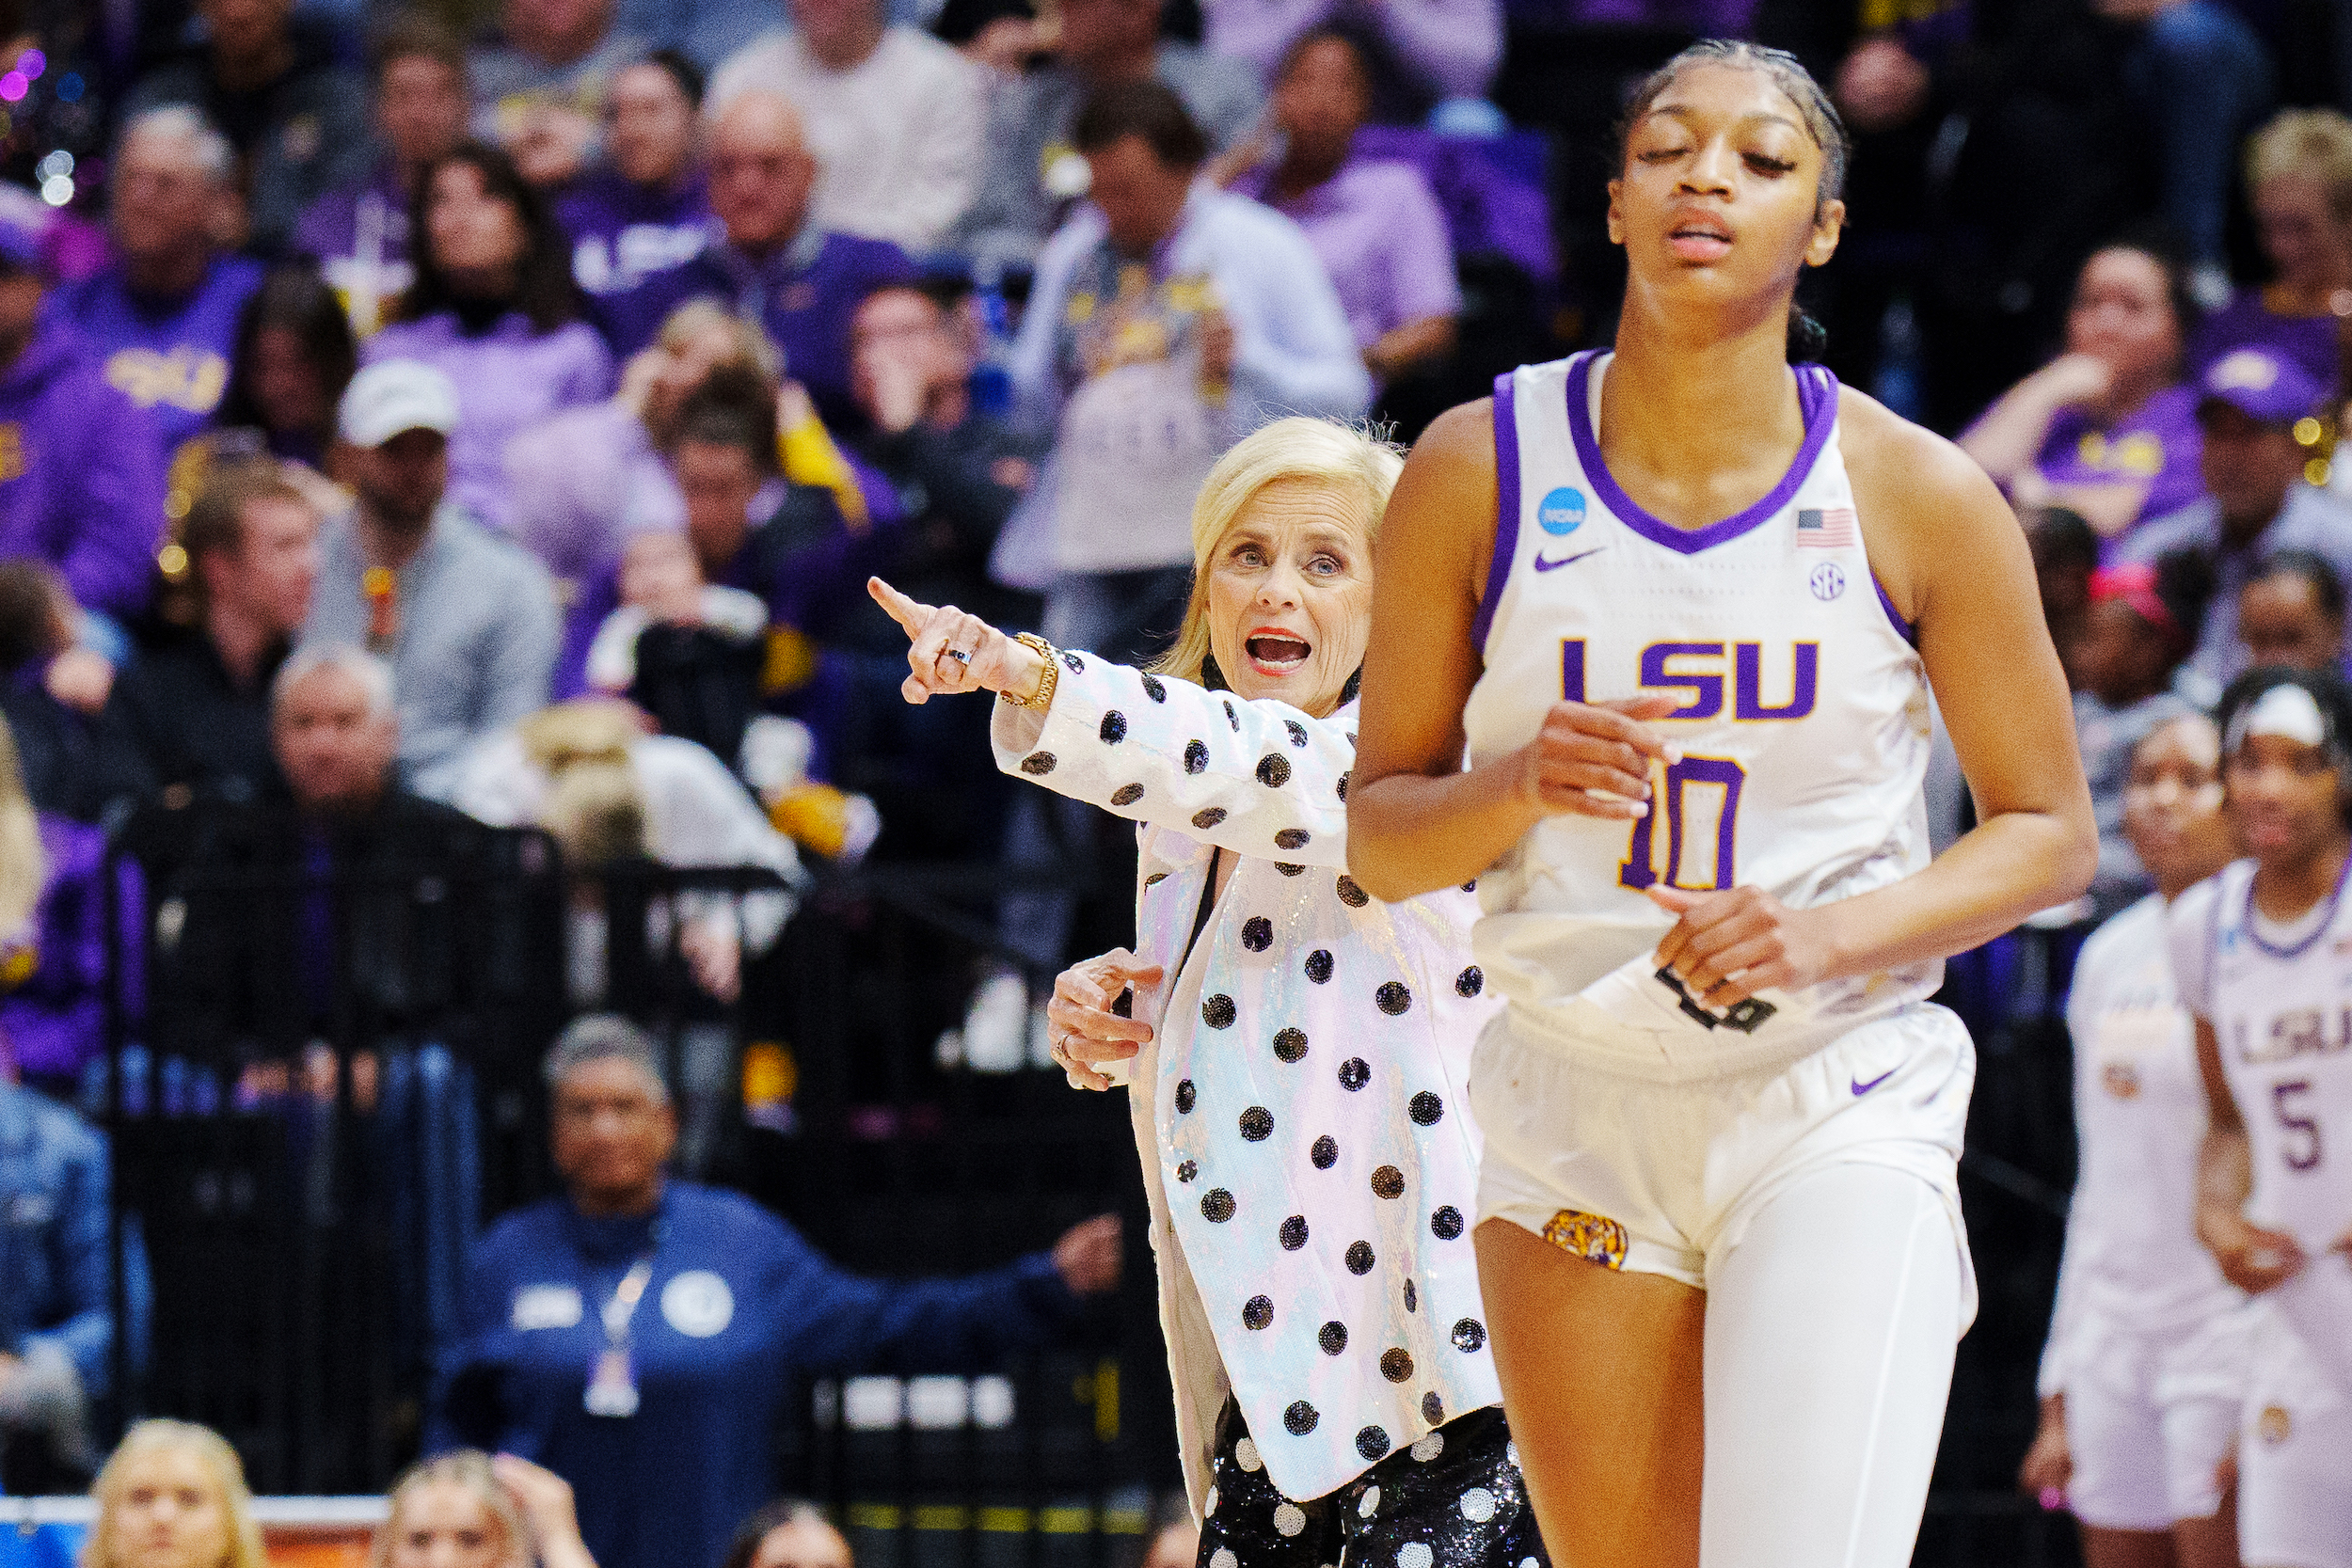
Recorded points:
(637,1334)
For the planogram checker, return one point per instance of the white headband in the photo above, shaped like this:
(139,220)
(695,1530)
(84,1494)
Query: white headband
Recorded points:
(2286,710)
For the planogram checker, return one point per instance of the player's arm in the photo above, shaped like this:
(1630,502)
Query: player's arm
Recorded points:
(2252,1258)
(1416,821)
(1954,560)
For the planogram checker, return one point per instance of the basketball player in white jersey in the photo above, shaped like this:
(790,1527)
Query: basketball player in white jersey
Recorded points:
(2145,1370)
(2262,957)
(1680,606)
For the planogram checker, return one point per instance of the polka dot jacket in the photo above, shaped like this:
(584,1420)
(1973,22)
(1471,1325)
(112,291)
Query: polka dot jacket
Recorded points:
(1306,1134)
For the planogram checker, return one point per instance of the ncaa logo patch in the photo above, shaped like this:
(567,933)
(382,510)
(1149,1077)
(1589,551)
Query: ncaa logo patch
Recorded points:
(1827,581)
(1562,511)
(1595,1238)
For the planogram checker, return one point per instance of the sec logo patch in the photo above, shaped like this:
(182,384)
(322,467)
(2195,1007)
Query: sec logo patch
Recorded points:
(697,1304)
(1827,581)
(1562,511)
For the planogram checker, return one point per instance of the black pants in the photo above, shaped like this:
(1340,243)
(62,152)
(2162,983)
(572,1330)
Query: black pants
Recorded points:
(1455,1499)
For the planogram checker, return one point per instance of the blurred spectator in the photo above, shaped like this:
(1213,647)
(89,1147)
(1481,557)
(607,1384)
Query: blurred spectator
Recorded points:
(2255,501)
(2291,612)
(359,231)
(173,1493)
(2065,553)
(81,484)
(2105,429)
(661,584)
(467,620)
(2202,79)
(73,736)
(640,1334)
(1169,320)
(1033,172)
(1414,53)
(2143,621)
(271,83)
(494,306)
(793,1533)
(540,85)
(1175,1545)
(776,263)
(467,1510)
(198,706)
(163,315)
(293,356)
(1376,225)
(892,116)
(2298,170)
(649,209)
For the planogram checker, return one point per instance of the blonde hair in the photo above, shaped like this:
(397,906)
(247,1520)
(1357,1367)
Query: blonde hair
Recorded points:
(468,1470)
(1324,452)
(24,868)
(219,1460)
(752,348)
(596,807)
(2314,144)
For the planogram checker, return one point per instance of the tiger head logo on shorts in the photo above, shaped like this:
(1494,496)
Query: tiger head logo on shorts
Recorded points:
(2120,1079)
(1593,1238)
(2273,1425)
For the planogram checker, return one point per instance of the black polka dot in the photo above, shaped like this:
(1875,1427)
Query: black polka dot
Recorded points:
(1396,1363)
(1426,1108)
(1078,665)
(1355,1073)
(1291,838)
(1299,731)
(1352,895)
(1343,778)
(1432,1409)
(1446,1223)
(1470,886)
(1332,1336)
(1195,755)
(1217,1206)
(1257,933)
(1469,1335)
(1257,1312)
(1184,1096)
(1231,718)
(1123,1005)
(1114,728)
(1291,1044)
(1372,1442)
(1218,1011)
(1387,1182)
(1153,690)
(1155,878)
(1126,795)
(1469,982)
(1412,1297)
(1187,1169)
(1325,1152)
(1393,998)
(1204,821)
(1257,1124)
(1274,769)
(1359,1258)
(1319,966)
(1037,764)
(1287,869)
(1294,1233)
(1300,1418)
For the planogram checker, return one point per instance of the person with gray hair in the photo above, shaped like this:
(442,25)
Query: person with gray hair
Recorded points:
(161,314)
(638,1333)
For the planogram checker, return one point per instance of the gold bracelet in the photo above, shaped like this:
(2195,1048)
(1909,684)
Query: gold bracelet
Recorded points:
(1044,695)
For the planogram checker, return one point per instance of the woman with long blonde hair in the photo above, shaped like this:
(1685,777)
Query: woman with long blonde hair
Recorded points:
(173,1496)
(467,1510)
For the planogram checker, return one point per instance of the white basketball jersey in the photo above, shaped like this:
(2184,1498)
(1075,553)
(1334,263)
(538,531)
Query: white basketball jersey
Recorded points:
(2283,1017)
(1802,717)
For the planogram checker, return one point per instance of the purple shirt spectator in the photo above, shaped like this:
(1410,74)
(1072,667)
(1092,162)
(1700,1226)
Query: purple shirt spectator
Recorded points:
(1445,48)
(2157,443)
(579,484)
(171,357)
(55,1022)
(624,233)
(2246,322)
(81,476)
(360,235)
(508,378)
(1379,232)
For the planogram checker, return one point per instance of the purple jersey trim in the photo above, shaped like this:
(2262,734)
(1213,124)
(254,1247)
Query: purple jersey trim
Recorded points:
(2253,933)
(1902,627)
(1817,396)
(1507,506)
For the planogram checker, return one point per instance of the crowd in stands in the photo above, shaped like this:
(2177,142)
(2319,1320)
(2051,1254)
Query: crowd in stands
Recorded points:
(419,422)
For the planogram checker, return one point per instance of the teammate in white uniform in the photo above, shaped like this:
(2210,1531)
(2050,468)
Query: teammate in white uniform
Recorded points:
(1679,605)
(2146,1364)
(2259,953)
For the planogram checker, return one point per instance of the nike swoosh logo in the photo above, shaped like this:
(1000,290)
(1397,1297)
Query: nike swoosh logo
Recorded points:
(1861,1089)
(1543,566)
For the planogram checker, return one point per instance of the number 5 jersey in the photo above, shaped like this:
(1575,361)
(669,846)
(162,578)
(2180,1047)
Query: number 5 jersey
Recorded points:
(1801,711)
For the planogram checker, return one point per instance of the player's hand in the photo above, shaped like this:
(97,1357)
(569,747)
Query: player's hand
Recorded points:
(951,651)
(2252,1258)
(1593,759)
(1724,948)
(2049,1463)
(1079,1021)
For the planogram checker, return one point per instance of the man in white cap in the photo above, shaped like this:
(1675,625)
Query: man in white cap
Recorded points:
(468,621)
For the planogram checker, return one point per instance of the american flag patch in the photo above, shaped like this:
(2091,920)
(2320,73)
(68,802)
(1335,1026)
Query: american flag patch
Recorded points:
(1831,529)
